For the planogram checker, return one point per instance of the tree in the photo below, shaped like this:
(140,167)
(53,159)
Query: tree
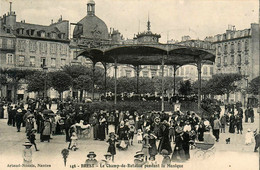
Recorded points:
(83,82)
(254,86)
(185,88)
(60,81)
(225,83)
(14,76)
(36,82)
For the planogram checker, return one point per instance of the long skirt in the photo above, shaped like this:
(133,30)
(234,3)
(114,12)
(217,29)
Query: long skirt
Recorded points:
(111,128)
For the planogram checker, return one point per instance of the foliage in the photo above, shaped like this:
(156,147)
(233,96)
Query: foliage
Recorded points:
(254,85)
(185,88)
(60,81)
(36,82)
(3,79)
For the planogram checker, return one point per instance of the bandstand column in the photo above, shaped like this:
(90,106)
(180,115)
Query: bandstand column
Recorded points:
(162,83)
(174,78)
(93,79)
(115,66)
(137,69)
(199,81)
(105,83)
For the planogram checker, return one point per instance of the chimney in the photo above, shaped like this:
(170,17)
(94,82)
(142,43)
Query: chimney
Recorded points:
(52,21)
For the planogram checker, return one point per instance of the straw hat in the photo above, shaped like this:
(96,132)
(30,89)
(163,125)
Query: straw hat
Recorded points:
(19,110)
(91,153)
(27,144)
(107,154)
(164,152)
(139,153)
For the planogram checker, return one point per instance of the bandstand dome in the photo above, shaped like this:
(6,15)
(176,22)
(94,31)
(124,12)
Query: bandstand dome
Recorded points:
(91,26)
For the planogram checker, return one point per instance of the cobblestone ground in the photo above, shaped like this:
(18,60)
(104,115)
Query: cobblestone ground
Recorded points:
(235,156)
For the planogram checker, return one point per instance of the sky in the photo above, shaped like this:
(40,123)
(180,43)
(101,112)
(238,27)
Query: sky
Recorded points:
(170,18)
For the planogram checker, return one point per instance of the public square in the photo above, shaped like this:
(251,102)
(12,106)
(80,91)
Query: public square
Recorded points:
(235,155)
(137,84)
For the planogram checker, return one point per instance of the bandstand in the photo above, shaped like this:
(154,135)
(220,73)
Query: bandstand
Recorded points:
(150,54)
(146,51)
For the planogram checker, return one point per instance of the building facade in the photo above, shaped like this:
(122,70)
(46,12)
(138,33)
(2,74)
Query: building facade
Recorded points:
(31,46)
(237,51)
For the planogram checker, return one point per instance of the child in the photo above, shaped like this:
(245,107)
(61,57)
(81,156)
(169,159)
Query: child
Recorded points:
(31,138)
(91,159)
(74,139)
(139,136)
(27,153)
(107,159)
(166,158)
(249,136)
(112,141)
(131,133)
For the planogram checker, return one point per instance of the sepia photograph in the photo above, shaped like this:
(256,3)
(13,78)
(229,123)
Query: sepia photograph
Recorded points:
(129,84)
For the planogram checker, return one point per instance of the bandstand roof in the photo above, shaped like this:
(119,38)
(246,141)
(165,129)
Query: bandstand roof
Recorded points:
(150,54)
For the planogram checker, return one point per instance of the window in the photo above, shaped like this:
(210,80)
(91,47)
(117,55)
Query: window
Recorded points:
(232,48)
(63,62)
(238,46)
(205,70)
(225,60)
(219,61)
(232,60)
(32,46)
(225,48)
(1,43)
(63,49)
(246,59)
(145,73)
(246,46)
(21,45)
(43,47)
(211,71)
(53,62)
(32,61)
(219,49)
(21,60)
(9,58)
(43,34)
(43,62)
(53,48)
(53,35)
(153,73)
(239,59)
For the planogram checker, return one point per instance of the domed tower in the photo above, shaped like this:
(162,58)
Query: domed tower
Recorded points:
(91,27)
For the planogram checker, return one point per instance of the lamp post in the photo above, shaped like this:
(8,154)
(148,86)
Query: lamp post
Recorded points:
(45,69)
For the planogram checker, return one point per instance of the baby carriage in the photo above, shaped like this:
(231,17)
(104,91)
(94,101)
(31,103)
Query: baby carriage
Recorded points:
(204,150)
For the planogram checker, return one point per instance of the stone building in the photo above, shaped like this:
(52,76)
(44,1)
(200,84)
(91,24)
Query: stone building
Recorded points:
(32,46)
(237,51)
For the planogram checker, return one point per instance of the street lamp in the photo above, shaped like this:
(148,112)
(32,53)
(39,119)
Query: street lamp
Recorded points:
(45,69)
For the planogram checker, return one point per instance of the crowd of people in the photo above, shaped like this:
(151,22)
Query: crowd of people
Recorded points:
(175,131)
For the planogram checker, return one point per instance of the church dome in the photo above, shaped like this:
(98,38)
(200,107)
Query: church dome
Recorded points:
(91,26)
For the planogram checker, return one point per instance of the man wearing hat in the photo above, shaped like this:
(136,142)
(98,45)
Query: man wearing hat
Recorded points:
(19,119)
(91,159)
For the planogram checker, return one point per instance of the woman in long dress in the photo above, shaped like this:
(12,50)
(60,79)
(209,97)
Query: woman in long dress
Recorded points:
(165,141)
(178,154)
(46,131)
(232,122)
(102,128)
